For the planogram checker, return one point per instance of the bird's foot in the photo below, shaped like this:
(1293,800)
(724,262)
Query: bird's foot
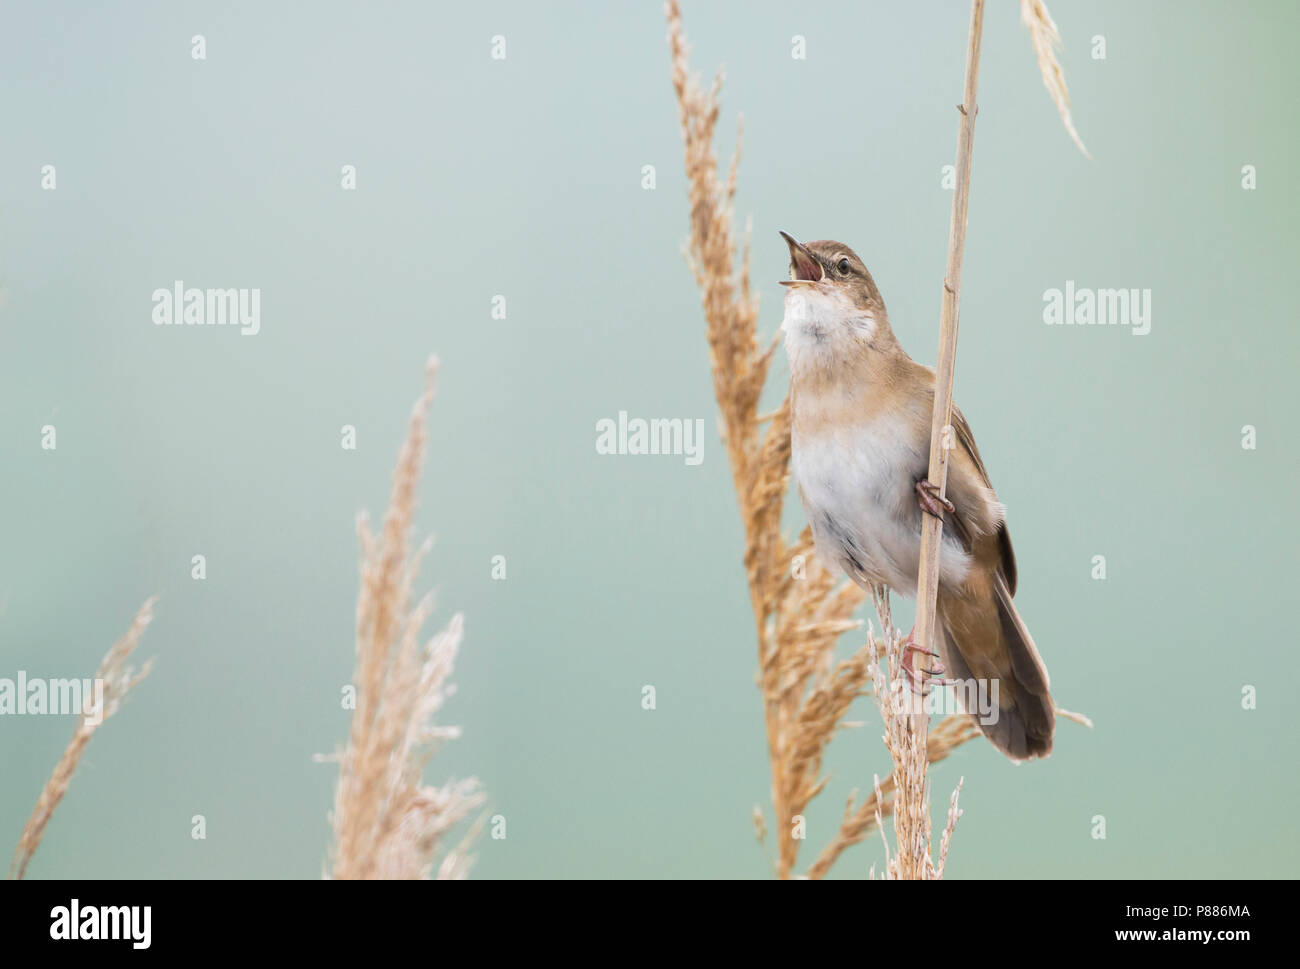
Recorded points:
(931,502)
(921,680)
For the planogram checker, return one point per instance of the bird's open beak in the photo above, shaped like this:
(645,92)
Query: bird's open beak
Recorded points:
(805,267)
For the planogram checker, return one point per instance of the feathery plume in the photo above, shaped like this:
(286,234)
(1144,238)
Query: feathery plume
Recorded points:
(1046,40)
(910,749)
(117,680)
(387,824)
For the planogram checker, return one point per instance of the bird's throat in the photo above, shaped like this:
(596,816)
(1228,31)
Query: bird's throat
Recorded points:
(824,331)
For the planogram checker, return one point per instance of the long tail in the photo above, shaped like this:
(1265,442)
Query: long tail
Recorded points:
(984,643)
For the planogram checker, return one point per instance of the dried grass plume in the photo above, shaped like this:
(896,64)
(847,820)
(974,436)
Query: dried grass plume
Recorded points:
(118,679)
(898,705)
(387,823)
(1047,40)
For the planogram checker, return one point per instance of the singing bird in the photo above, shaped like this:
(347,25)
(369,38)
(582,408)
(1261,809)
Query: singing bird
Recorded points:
(861,410)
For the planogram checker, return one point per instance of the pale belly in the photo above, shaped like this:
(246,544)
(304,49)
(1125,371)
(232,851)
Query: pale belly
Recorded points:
(858,491)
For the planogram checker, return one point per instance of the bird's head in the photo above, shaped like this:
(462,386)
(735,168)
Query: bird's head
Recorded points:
(832,304)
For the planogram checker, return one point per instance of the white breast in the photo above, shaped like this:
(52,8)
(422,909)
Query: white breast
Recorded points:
(858,490)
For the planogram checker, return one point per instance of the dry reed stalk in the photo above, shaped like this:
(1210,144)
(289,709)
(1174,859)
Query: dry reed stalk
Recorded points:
(1046,39)
(118,679)
(911,820)
(906,735)
(800,608)
(386,824)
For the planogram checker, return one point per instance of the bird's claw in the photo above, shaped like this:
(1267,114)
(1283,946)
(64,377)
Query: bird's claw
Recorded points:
(931,502)
(921,680)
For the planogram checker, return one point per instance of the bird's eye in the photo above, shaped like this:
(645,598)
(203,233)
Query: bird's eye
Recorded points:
(843,267)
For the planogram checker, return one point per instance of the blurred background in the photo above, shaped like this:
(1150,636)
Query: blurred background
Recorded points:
(523,177)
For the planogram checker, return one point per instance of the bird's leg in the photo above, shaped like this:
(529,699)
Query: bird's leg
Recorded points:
(927,496)
(921,680)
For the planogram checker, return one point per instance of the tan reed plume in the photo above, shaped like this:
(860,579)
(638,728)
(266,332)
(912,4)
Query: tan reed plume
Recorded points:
(118,679)
(387,824)
(800,608)
(904,718)
(1046,40)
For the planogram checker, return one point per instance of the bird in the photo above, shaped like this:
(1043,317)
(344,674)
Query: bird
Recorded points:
(861,412)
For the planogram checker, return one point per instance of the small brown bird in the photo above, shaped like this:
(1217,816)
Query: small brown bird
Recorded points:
(861,444)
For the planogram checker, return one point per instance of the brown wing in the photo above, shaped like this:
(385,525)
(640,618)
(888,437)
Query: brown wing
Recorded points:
(1007,557)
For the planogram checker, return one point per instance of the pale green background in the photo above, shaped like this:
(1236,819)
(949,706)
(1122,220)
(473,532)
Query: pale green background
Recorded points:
(522,177)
